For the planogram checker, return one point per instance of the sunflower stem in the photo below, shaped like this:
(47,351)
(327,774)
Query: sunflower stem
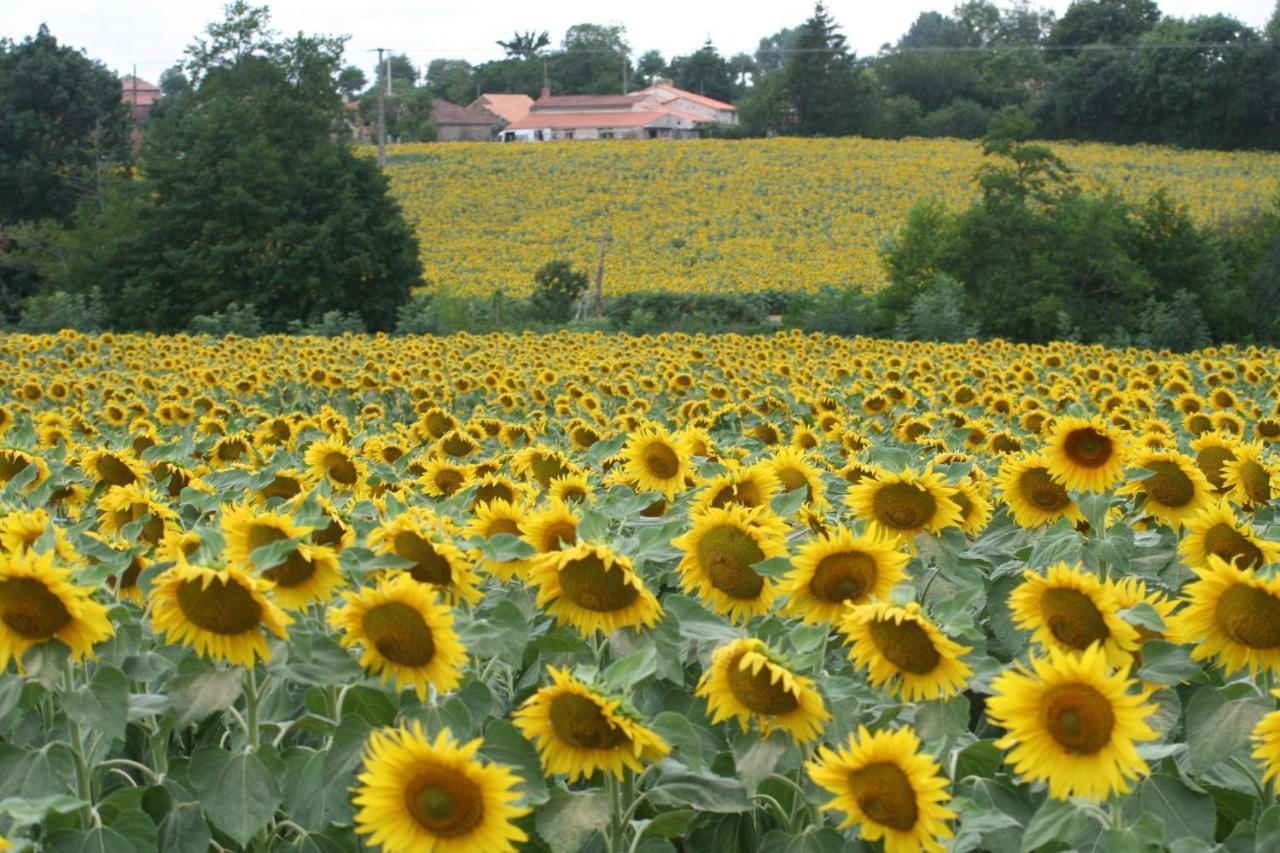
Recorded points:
(924,593)
(251,699)
(83,786)
(615,813)
(1247,771)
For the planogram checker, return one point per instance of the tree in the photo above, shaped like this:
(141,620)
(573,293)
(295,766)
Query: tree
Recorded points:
(1272,32)
(1109,21)
(651,66)
(556,286)
(62,126)
(772,51)
(823,88)
(706,72)
(246,199)
(526,45)
(591,60)
(451,79)
(351,80)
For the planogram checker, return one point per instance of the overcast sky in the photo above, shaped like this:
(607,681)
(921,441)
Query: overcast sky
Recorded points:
(152,34)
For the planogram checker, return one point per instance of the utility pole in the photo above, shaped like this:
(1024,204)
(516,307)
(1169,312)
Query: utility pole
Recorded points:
(626,68)
(383,82)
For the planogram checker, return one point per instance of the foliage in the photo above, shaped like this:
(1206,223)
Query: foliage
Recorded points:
(64,127)
(242,320)
(936,313)
(53,310)
(557,286)
(269,212)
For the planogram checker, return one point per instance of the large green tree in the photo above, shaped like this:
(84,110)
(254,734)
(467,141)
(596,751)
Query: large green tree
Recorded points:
(62,127)
(706,72)
(247,199)
(824,90)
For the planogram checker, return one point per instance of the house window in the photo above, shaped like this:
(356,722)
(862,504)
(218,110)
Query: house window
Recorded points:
(606,134)
(568,134)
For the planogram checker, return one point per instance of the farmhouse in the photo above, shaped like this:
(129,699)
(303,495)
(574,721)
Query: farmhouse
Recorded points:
(660,111)
(462,124)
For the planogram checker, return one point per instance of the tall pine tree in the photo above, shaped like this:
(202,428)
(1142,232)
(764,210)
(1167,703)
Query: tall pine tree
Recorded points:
(823,87)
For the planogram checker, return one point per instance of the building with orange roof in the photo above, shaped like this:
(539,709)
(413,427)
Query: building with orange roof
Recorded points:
(658,112)
(507,107)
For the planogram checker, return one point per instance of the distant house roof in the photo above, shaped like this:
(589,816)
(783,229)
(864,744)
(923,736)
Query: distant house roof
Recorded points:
(507,107)
(139,92)
(592,118)
(671,93)
(590,102)
(444,112)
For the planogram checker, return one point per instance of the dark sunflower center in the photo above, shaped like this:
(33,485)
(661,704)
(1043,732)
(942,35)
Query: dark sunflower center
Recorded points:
(294,571)
(1256,482)
(726,554)
(444,802)
(1250,616)
(429,566)
(1227,542)
(746,493)
(504,525)
(587,583)
(331,534)
(1210,461)
(1169,485)
(223,607)
(906,645)
(904,506)
(264,534)
(793,479)
(115,472)
(490,492)
(448,480)
(30,609)
(662,461)
(399,633)
(457,446)
(1078,717)
(847,576)
(1088,448)
(282,487)
(885,795)
(580,723)
(757,691)
(559,534)
(547,468)
(1073,618)
(340,468)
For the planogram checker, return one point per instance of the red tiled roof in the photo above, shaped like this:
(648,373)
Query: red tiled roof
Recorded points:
(593,118)
(443,112)
(587,101)
(506,106)
(139,92)
(688,96)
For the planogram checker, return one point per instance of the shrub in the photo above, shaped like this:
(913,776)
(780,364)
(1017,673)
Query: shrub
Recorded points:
(235,319)
(937,314)
(1175,324)
(845,311)
(332,324)
(55,310)
(556,287)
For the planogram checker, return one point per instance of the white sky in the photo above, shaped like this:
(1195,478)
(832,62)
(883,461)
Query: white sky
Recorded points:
(154,33)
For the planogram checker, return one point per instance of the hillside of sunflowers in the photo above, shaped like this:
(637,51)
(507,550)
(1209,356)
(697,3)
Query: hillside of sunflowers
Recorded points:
(740,216)
(636,595)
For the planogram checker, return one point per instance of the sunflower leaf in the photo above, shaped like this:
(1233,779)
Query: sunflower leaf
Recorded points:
(103,704)
(1143,615)
(238,792)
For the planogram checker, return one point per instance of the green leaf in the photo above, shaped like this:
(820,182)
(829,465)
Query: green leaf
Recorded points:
(1166,663)
(102,839)
(314,798)
(813,840)
(138,827)
(679,786)
(633,668)
(1218,729)
(669,824)
(23,812)
(33,774)
(1268,830)
(978,759)
(1055,820)
(504,744)
(1186,813)
(683,738)
(789,503)
(696,622)
(199,690)
(184,830)
(755,758)
(504,548)
(237,791)
(774,567)
(568,820)
(1143,615)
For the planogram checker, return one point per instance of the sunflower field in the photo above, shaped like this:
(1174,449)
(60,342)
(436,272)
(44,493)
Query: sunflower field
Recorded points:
(739,216)
(636,595)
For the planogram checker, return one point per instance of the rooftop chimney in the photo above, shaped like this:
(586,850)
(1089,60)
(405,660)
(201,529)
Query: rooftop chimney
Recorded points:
(545,93)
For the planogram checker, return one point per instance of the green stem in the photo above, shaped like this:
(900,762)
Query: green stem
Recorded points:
(822,654)
(615,813)
(1243,768)
(83,787)
(251,700)
(924,593)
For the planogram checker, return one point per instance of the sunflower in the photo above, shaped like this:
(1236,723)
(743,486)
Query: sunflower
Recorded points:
(1174,490)
(975,507)
(113,467)
(1248,478)
(412,536)
(1217,532)
(794,470)
(123,505)
(593,589)
(416,795)
(1233,615)
(831,571)
(406,633)
(14,462)
(578,731)
(1071,609)
(750,487)
(1267,752)
(719,552)
(657,460)
(551,528)
(904,651)
(441,478)
(1213,450)
(39,602)
(904,504)
(307,573)
(571,488)
(1072,722)
(23,530)
(1085,455)
(331,459)
(493,518)
(224,614)
(887,785)
(745,680)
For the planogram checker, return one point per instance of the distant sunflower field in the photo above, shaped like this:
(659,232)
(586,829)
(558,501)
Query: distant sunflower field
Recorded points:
(636,595)
(739,216)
